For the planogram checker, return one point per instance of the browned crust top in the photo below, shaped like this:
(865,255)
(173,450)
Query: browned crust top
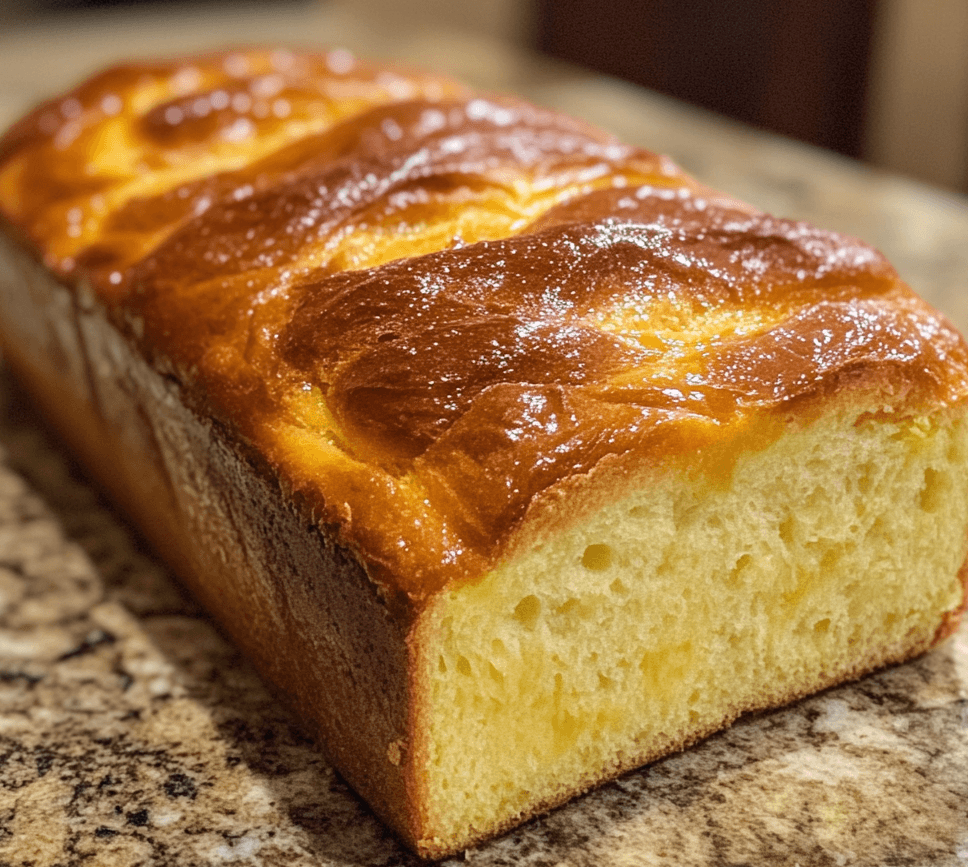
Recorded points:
(426,308)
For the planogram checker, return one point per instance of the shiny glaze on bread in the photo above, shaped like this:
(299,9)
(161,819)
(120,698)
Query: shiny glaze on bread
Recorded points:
(424,308)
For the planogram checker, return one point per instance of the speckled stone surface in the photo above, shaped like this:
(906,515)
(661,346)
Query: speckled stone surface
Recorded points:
(131,733)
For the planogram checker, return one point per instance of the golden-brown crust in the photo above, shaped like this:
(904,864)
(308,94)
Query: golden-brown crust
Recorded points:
(572,299)
(952,619)
(300,606)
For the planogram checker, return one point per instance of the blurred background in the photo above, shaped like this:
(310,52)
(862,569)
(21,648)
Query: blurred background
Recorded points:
(884,81)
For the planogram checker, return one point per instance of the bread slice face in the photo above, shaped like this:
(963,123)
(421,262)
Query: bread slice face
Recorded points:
(685,601)
(512,456)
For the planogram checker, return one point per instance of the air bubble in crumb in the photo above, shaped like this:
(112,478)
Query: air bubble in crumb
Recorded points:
(597,557)
(527,611)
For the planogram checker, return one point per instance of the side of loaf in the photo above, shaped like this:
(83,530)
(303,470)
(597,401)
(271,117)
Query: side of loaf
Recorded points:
(513,457)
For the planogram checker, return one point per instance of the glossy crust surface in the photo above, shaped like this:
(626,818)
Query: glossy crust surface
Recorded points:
(424,307)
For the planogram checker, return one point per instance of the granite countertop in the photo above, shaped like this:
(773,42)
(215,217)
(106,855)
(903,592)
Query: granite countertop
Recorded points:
(132,733)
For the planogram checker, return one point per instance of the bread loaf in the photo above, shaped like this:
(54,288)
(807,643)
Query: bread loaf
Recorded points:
(512,456)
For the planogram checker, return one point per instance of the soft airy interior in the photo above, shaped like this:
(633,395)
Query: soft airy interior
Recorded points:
(662,617)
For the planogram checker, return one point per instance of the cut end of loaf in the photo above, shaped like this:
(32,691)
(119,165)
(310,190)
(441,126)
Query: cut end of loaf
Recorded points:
(665,615)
